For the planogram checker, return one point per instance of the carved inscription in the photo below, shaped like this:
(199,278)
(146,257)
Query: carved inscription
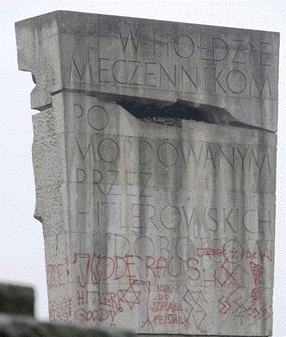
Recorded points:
(154,155)
(162,227)
(191,62)
(150,282)
(177,77)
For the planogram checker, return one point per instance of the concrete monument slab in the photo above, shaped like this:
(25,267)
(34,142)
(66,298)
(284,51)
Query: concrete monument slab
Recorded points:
(155,163)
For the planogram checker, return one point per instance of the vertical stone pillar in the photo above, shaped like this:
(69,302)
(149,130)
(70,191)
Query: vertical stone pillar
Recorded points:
(155,161)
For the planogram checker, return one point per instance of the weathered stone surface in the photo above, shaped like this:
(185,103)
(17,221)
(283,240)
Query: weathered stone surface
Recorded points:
(155,159)
(231,69)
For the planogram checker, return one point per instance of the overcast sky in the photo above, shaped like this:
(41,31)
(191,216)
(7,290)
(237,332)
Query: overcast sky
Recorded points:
(21,241)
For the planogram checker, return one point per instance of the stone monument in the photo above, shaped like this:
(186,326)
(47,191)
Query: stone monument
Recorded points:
(155,161)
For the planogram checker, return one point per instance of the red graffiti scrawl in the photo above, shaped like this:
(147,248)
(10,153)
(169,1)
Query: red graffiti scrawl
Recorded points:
(129,296)
(256,272)
(256,294)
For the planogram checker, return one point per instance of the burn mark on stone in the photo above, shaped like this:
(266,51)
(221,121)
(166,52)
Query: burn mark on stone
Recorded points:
(172,114)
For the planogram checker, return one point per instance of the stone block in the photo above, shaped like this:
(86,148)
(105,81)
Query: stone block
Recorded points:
(155,166)
(201,66)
